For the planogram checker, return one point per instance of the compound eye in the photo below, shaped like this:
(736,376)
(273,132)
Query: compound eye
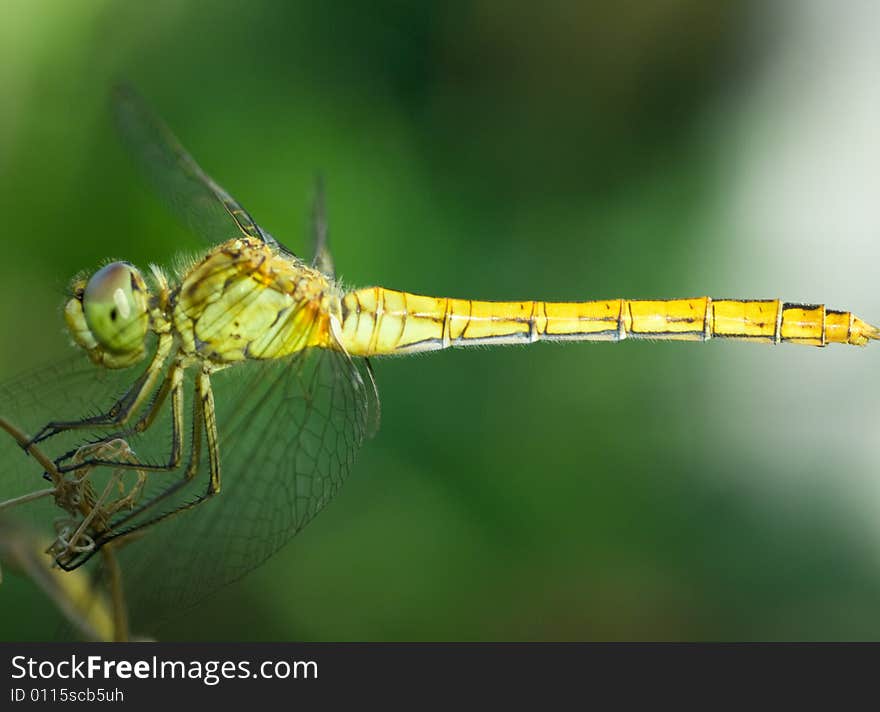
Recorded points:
(114,305)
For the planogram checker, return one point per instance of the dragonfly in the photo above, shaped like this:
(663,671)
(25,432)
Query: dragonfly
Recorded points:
(238,388)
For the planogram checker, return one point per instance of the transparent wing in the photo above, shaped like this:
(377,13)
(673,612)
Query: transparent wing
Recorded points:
(206,208)
(289,434)
(322,259)
(69,389)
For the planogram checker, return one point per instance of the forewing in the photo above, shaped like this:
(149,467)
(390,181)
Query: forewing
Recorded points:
(206,208)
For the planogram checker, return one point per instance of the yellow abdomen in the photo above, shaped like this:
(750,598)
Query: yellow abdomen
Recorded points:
(378,321)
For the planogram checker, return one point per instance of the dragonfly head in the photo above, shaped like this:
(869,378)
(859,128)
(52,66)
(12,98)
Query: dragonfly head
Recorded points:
(107,315)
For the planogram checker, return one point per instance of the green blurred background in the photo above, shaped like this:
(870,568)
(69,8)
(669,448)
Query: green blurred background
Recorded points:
(504,150)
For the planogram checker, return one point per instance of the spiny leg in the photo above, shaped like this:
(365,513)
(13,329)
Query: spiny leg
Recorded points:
(117,533)
(204,414)
(65,491)
(210,417)
(120,412)
(172,379)
(173,383)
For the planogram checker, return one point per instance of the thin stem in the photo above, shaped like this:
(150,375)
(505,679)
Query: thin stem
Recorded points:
(117,597)
(31,449)
(9,503)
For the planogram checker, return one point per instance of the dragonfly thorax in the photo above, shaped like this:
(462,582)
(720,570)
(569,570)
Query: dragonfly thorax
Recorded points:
(247,300)
(107,315)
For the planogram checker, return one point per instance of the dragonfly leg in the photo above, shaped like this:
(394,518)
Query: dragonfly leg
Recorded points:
(209,415)
(204,416)
(172,384)
(121,411)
